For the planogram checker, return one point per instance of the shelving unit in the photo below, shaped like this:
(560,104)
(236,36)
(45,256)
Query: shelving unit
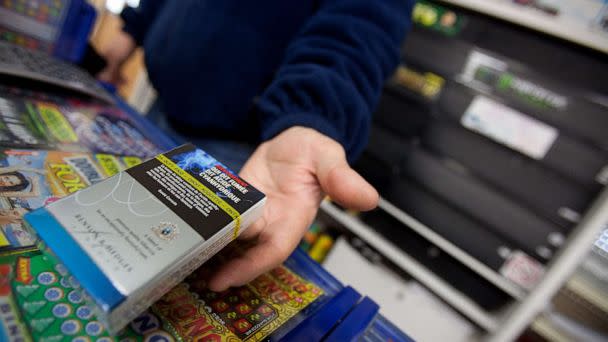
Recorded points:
(558,272)
(526,307)
(589,293)
(460,302)
(509,324)
(532,18)
(545,328)
(448,247)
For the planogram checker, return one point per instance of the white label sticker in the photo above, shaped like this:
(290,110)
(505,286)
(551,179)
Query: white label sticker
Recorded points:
(522,270)
(509,127)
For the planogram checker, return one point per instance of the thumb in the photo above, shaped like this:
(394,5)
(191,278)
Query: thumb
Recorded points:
(343,184)
(106,75)
(111,74)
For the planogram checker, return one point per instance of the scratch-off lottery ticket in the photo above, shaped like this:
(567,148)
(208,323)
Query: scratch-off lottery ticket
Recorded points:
(11,326)
(247,313)
(55,310)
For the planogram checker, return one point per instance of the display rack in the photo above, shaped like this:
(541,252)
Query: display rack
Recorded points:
(590,294)
(525,306)
(508,324)
(448,247)
(558,272)
(532,18)
(485,320)
(546,329)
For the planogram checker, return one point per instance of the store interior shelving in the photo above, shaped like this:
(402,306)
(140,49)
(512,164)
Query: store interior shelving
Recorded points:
(536,20)
(492,276)
(588,292)
(436,59)
(486,320)
(501,325)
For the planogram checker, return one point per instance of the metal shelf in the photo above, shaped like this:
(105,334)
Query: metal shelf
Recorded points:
(546,329)
(457,253)
(531,18)
(487,321)
(507,325)
(580,287)
(559,271)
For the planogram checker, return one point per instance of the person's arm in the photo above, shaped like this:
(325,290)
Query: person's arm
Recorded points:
(137,22)
(333,71)
(315,113)
(9,219)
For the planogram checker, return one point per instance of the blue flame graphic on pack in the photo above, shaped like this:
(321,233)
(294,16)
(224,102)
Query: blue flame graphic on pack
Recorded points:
(198,161)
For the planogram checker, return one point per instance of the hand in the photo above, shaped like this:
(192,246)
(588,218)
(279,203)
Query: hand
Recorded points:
(9,219)
(115,55)
(295,169)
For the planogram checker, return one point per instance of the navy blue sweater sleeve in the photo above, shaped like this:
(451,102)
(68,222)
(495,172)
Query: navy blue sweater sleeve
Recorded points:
(333,70)
(137,21)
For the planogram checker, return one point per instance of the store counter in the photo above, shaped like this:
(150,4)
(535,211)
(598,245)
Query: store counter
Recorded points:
(51,145)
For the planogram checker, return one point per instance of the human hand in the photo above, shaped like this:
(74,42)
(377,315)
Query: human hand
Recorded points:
(295,169)
(119,50)
(9,219)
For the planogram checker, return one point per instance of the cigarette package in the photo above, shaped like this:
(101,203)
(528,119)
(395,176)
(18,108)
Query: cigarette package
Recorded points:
(129,239)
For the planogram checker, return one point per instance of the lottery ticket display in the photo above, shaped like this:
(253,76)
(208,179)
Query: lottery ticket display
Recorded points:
(30,179)
(43,296)
(53,146)
(32,123)
(57,27)
(54,310)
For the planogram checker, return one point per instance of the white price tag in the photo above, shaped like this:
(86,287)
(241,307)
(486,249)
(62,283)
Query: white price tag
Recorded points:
(509,127)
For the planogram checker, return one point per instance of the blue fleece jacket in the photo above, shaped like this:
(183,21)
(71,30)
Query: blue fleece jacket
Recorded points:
(250,69)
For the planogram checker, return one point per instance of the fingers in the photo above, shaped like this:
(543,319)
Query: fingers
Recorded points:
(111,74)
(257,260)
(347,188)
(254,230)
(274,244)
(343,184)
